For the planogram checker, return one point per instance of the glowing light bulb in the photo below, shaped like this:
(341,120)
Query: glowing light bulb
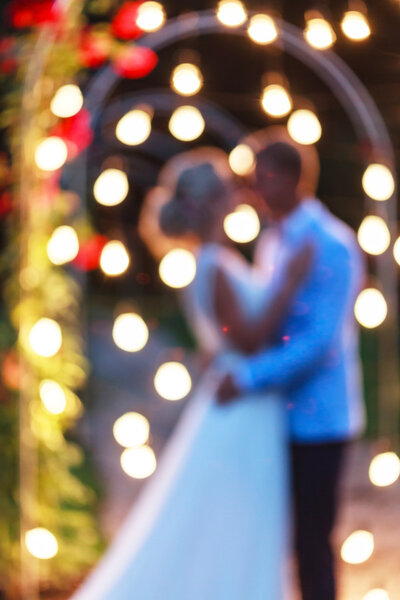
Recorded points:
(370,308)
(242,159)
(373,235)
(45,337)
(134,128)
(384,469)
(319,33)
(131,430)
(151,16)
(63,246)
(186,123)
(111,187)
(187,79)
(304,127)
(53,396)
(276,100)
(41,543)
(138,463)
(178,268)
(130,332)
(172,381)
(51,154)
(262,29)
(358,547)
(67,101)
(231,13)
(376,594)
(114,259)
(396,251)
(242,225)
(355,25)
(378,182)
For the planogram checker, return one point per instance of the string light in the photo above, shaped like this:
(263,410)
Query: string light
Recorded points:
(378,182)
(67,101)
(384,469)
(396,251)
(186,79)
(114,259)
(139,463)
(178,268)
(63,246)
(131,430)
(130,332)
(358,547)
(51,154)
(318,31)
(242,225)
(231,13)
(111,187)
(276,101)
(242,159)
(151,16)
(53,396)
(262,29)
(172,381)
(370,308)
(186,123)
(45,337)
(355,25)
(376,594)
(134,128)
(373,235)
(304,127)
(41,543)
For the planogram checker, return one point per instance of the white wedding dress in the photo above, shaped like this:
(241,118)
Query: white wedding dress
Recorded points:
(211,523)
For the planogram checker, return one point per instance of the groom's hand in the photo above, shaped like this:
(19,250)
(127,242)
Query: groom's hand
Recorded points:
(227,390)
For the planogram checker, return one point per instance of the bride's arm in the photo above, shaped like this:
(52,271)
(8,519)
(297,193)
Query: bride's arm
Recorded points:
(249,335)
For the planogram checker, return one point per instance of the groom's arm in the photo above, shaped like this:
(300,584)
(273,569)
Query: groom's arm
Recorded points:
(335,286)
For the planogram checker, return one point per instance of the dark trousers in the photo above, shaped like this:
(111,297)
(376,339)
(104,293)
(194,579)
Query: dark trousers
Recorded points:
(316,470)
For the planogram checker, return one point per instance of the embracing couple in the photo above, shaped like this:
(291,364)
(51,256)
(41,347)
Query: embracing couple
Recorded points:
(256,457)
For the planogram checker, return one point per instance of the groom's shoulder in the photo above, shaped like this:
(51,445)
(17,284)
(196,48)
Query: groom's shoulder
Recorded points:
(334,232)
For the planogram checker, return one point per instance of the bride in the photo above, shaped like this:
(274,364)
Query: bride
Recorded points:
(211,523)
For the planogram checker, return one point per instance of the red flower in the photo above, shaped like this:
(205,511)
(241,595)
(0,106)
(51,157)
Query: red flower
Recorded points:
(94,48)
(31,13)
(76,132)
(6,203)
(135,62)
(8,65)
(88,257)
(124,23)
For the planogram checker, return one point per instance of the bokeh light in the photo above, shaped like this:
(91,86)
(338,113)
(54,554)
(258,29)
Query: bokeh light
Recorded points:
(376,594)
(130,332)
(304,127)
(51,153)
(134,128)
(319,33)
(63,246)
(67,101)
(378,182)
(111,187)
(139,463)
(358,547)
(355,25)
(151,16)
(178,268)
(172,381)
(53,396)
(373,235)
(276,101)
(242,225)
(186,79)
(41,543)
(186,123)
(131,430)
(231,13)
(384,469)
(45,337)
(396,250)
(242,159)
(370,308)
(262,29)
(114,258)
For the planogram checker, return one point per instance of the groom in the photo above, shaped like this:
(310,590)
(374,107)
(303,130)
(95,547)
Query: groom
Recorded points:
(315,364)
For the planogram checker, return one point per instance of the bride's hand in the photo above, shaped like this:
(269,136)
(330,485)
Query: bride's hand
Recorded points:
(299,264)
